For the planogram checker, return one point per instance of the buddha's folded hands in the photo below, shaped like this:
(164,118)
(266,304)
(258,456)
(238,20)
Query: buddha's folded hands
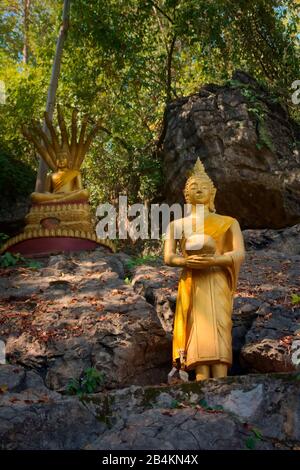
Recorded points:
(200,262)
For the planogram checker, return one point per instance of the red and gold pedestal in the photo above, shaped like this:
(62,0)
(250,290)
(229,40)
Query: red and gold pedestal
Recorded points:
(55,227)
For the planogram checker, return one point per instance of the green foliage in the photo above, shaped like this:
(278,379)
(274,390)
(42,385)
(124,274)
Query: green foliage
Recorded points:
(3,238)
(250,443)
(32,264)
(13,259)
(124,61)
(174,404)
(295,299)
(203,403)
(10,259)
(255,435)
(139,260)
(256,108)
(264,137)
(16,178)
(87,383)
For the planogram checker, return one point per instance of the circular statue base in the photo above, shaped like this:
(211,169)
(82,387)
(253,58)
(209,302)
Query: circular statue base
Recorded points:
(40,243)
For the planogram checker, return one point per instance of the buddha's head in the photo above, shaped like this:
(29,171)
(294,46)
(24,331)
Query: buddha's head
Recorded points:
(62,159)
(199,188)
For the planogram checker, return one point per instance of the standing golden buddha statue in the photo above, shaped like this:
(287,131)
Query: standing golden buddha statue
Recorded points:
(211,258)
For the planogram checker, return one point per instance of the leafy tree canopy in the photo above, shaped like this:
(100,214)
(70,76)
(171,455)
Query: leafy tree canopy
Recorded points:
(124,60)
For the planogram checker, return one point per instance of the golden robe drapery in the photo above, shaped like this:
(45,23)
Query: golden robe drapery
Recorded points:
(60,179)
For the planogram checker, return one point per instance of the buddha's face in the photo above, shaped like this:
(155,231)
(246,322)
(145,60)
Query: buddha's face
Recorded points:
(199,191)
(62,161)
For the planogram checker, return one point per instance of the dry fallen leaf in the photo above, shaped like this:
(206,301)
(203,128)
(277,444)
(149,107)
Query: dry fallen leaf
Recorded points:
(3,388)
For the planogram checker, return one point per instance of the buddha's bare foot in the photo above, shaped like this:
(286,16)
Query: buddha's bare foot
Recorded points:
(219,370)
(202,373)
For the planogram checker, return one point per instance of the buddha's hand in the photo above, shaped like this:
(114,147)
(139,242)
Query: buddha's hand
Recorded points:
(200,262)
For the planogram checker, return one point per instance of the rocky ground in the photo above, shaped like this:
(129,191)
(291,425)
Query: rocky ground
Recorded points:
(246,412)
(76,312)
(104,312)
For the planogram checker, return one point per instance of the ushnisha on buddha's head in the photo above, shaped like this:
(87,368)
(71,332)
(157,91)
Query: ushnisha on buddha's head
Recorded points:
(199,188)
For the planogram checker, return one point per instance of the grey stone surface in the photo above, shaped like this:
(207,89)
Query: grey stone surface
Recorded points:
(215,414)
(257,410)
(11,377)
(76,312)
(284,240)
(252,156)
(34,418)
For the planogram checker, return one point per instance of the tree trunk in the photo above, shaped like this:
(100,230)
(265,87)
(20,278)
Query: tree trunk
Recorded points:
(26,14)
(169,70)
(42,171)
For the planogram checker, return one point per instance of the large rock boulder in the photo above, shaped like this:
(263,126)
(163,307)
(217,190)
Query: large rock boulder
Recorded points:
(76,312)
(248,145)
(159,287)
(250,412)
(260,412)
(32,417)
(268,344)
(285,240)
(16,182)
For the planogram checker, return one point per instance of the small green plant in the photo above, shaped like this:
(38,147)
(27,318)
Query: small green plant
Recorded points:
(32,264)
(127,281)
(10,259)
(250,443)
(257,110)
(255,436)
(203,403)
(3,238)
(295,299)
(174,404)
(139,260)
(236,83)
(87,383)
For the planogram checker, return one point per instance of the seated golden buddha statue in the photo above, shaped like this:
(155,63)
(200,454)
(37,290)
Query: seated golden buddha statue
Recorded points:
(64,203)
(63,157)
(60,217)
(62,185)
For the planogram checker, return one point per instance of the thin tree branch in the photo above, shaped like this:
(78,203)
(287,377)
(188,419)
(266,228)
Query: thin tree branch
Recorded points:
(160,27)
(42,171)
(169,69)
(26,17)
(161,11)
